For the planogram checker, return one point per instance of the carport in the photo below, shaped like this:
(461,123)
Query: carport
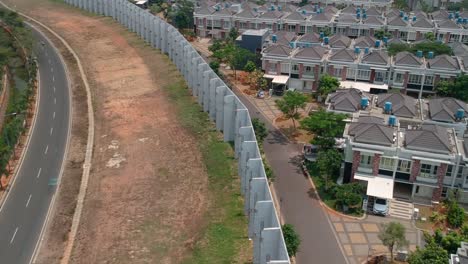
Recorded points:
(377,186)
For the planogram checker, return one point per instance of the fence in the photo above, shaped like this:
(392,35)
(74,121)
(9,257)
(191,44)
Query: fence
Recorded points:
(224,108)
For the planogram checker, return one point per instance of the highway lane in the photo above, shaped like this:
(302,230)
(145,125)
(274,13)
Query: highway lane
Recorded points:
(23,214)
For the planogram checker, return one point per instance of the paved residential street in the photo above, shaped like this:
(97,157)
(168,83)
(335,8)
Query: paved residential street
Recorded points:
(299,206)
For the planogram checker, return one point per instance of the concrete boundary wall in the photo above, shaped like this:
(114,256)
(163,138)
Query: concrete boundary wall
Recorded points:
(224,108)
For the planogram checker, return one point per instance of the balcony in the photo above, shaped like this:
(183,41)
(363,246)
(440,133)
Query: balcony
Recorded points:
(308,75)
(427,178)
(366,170)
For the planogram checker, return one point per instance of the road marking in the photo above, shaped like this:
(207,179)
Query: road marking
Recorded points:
(53,78)
(49,60)
(55,100)
(46,149)
(29,199)
(53,116)
(39,173)
(51,69)
(51,130)
(54,88)
(14,234)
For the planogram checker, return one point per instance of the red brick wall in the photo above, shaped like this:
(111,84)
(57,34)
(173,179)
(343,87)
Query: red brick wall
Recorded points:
(437,192)
(375,164)
(356,161)
(343,73)
(436,79)
(416,166)
(331,70)
(297,28)
(418,35)
(301,70)
(447,37)
(372,76)
(278,68)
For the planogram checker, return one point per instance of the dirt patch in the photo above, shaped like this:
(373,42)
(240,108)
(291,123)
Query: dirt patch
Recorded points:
(148,187)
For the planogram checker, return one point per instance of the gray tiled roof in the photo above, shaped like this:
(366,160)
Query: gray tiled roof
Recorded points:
(448,24)
(224,11)
(407,59)
(423,22)
(296,16)
(310,37)
(343,55)
(364,41)
(464,60)
(393,13)
(402,105)
(321,17)
(371,120)
(377,134)
(288,8)
(284,37)
(315,53)
(308,7)
(349,10)
(397,21)
(459,49)
(347,19)
(395,40)
(278,50)
(205,11)
(246,13)
(440,14)
(331,9)
(376,57)
(272,15)
(347,100)
(444,109)
(372,20)
(339,41)
(373,12)
(428,137)
(444,62)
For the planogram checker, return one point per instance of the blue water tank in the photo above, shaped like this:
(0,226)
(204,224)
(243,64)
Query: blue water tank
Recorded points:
(322,34)
(459,20)
(388,107)
(385,40)
(392,121)
(450,16)
(414,18)
(304,12)
(430,54)
(326,40)
(419,54)
(358,15)
(274,38)
(465,20)
(358,10)
(377,43)
(272,8)
(321,10)
(460,114)
(457,14)
(364,102)
(366,50)
(357,50)
(401,13)
(364,16)
(405,18)
(279,8)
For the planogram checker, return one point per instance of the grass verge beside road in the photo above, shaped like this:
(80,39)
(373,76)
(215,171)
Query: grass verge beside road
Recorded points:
(224,238)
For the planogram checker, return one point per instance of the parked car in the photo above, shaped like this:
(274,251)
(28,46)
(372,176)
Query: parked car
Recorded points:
(381,206)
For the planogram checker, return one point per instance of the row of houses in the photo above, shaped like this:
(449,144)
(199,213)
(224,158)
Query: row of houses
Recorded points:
(403,147)
(361,63)
(216,19)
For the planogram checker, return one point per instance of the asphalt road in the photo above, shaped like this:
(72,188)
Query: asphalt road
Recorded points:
(298,205)
(23,214)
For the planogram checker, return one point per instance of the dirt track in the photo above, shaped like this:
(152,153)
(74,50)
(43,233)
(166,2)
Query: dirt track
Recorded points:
(147,190)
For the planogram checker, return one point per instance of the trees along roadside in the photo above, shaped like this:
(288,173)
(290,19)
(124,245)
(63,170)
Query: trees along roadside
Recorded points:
(328,163)
(325,126)
(291,238)
(290,104)
(393,237)
(457,89)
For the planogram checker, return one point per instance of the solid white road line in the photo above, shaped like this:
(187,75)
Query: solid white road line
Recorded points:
(39,173)
(53,116)
(46,149)
(51,130)
(14,234)
(54,88)
(29,199)
(52,69)
(55,100)
(49,61)
(53,78)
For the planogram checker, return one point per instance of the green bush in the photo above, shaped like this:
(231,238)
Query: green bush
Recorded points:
(214,65)
(455,215)
(250,66)
(291,238)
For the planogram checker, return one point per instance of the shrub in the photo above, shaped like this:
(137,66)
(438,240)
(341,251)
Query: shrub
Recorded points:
(291,238)
(214,65)
(455,215)
(250,66)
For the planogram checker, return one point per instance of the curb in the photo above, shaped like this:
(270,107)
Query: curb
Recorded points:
(324,205)
(89,145)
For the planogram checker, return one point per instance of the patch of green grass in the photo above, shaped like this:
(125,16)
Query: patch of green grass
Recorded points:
(224,240)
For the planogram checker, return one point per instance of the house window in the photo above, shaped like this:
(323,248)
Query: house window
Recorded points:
(363,75)
(398,78)
(337,72)
(269,26)
(350,73)
(403,35)
(448,173)
(429,80)
(379,76)
(292,28)
(386,163)
(444,192)
(302,29)
(404,166)
(295,68)
(414,79)
(460,173)
(227,24)
(366,161)
(428,171)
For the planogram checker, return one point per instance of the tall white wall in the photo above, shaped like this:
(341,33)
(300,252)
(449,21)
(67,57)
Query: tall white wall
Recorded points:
(224,108)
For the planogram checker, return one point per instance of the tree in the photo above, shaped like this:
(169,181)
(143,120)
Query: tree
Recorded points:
(236,57)
(256,80)
(328,163)
(455,214)
(290,104)
(432,253)
(303,2)
(260,129)
(381,33)
(325,126)
(457,89)
(181,14)
(393,237)
(214,65)
(233,34)
(291,238)
(250,66)
(430,36)
(395,48)
(327,84)
(348,195)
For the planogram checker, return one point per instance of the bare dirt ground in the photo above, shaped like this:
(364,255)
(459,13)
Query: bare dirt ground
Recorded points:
(148,187)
